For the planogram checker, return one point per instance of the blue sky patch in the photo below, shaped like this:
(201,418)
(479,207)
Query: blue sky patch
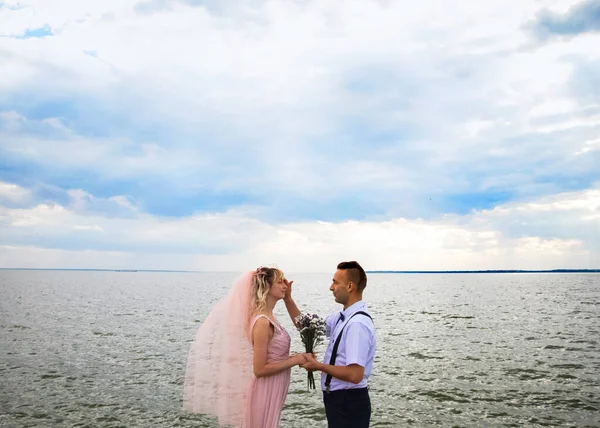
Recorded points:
(37,33)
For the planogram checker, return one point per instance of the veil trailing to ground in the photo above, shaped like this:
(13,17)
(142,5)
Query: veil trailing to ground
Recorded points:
(219,366)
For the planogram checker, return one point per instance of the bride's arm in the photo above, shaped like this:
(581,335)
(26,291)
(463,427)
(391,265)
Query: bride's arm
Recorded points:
(261,336)
(290,305)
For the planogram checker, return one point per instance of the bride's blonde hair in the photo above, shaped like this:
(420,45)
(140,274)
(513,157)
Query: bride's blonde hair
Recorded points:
(263,279)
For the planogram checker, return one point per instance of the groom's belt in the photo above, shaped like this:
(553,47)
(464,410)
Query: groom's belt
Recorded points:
(347,392)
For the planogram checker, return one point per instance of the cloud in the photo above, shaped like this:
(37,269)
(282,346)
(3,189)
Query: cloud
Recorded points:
(562,230)
(585,81)
(13,193)
(187,117)
(591,145)
(582,18)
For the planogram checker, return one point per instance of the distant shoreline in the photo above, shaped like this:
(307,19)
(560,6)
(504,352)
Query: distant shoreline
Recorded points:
(490,271)
(371,272)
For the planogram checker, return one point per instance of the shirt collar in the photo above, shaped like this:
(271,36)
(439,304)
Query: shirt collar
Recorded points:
(350,310)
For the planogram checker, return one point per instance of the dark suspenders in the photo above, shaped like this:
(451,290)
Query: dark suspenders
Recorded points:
(337,344)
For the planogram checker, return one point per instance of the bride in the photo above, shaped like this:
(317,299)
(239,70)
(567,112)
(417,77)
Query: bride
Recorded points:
(239,363)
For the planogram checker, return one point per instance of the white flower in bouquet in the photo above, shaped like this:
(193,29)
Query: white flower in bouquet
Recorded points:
(312,331)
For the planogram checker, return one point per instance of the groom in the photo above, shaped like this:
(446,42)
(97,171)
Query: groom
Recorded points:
(349,357)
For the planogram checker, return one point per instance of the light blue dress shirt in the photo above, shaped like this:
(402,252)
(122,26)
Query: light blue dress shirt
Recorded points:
(357,345)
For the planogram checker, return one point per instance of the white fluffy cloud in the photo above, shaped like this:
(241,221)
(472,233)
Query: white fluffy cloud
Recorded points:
(13,193)
(567,234)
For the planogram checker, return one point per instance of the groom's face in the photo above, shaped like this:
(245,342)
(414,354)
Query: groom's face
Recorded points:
(339,286)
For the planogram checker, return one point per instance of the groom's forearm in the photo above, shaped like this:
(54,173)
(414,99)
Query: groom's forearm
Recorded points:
(352,373)
(291,307)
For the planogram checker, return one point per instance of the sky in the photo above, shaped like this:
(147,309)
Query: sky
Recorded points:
(223,135)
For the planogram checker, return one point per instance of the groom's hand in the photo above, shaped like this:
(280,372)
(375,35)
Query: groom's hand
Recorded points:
(311,363)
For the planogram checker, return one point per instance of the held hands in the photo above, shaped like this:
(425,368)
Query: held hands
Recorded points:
(300,359)
(311,363)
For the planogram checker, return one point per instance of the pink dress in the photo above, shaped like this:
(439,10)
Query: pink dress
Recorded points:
(267,394)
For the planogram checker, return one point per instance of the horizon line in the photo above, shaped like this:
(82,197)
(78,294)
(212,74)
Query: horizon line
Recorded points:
(390,271)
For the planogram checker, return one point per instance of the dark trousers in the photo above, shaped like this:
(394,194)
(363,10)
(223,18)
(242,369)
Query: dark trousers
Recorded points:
(347,408)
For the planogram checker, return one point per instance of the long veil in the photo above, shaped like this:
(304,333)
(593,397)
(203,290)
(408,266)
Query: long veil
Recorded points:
(219,366)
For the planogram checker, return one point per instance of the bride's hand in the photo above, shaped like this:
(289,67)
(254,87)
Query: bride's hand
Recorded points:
(301,359)
(288,290)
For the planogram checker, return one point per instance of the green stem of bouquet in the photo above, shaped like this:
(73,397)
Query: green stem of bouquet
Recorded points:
(310,349)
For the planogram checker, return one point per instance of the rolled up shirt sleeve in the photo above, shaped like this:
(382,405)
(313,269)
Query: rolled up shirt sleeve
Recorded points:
(358,341)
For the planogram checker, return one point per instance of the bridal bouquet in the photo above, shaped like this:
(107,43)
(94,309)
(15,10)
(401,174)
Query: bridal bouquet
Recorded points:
(312,331)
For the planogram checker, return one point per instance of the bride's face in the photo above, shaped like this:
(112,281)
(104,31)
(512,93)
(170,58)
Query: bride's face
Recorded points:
(278,288)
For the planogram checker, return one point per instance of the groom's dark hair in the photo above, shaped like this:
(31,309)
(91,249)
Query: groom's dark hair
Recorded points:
(356,274)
